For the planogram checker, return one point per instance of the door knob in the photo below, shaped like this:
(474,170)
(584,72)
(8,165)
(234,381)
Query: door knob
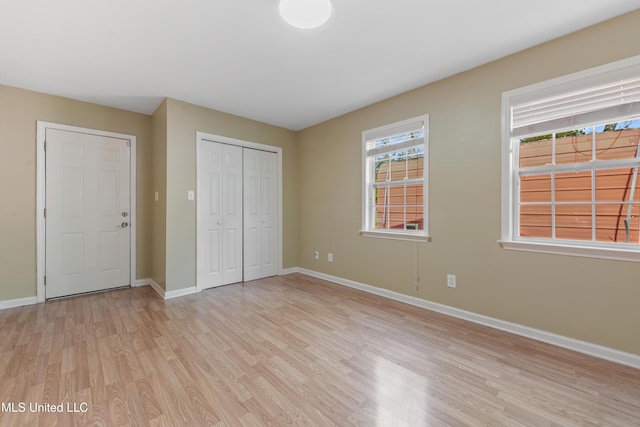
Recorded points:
(123,225)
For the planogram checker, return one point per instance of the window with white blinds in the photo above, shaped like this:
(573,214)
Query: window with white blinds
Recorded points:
(571,156)
(395,159)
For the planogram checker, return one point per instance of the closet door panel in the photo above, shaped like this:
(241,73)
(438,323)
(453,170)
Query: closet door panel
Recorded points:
(210,216)
(237,214)
(232,214)
(260,214)
(252,215)
(269,214)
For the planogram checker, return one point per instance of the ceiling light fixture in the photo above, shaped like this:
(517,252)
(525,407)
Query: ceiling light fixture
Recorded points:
(305,14)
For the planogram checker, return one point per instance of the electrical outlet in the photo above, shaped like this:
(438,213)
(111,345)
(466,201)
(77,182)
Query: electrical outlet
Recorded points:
(316,255)
(451,280)
(330,257)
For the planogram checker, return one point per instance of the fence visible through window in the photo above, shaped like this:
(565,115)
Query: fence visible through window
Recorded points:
(581,185)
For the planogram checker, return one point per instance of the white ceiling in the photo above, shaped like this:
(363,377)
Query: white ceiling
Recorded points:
(238,56)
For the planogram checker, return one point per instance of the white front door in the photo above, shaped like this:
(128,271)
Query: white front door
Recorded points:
(87,213)
(260,214)
(219,240)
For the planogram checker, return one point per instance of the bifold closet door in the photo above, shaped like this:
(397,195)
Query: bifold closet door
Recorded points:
(220,211)
(260,214)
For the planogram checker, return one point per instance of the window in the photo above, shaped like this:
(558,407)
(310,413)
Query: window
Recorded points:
(571,153)
(395,180)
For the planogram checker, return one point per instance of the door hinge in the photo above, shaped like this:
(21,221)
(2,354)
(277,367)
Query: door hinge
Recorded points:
(45,280)
(45,146)
(129,144)
(45,212)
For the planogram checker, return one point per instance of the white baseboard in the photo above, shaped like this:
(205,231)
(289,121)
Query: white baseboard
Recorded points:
(149,282)
(584,347)
(164,294)
(180,292)
(167,295)
(156,288)
(138,283)
(286,271)
(19,302)
(141,282)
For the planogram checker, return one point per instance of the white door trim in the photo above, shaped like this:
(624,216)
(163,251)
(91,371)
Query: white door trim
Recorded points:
(41,198)
(203,136)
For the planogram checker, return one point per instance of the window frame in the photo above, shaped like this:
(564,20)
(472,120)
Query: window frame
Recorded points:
(510,168)
(389,130)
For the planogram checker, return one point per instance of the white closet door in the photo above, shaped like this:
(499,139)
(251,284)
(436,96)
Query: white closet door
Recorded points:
(260,214)
(209,241)
(220,214)
(231,214)
(269,208)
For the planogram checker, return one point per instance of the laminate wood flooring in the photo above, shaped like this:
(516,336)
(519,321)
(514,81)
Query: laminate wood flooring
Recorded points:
(290,350)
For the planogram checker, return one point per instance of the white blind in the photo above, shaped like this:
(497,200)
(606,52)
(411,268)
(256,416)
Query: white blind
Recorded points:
(398,146)
(395,129)
(598,98)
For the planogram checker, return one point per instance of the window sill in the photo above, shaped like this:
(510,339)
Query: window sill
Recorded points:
(395,235)
(619,254)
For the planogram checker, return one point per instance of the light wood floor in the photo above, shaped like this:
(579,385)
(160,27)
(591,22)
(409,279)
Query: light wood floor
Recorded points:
(292,350)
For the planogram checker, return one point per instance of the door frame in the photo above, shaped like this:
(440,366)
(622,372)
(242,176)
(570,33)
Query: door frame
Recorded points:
(41,194)
(201,137)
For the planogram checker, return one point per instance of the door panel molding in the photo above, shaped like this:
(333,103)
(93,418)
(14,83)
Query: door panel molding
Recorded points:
(260,215)
(219,212)
(201,138)
(41,197)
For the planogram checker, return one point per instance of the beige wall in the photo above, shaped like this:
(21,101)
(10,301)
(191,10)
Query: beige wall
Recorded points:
(19,112)
(183,121)
(159,184)
(165,163)
(587,299)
